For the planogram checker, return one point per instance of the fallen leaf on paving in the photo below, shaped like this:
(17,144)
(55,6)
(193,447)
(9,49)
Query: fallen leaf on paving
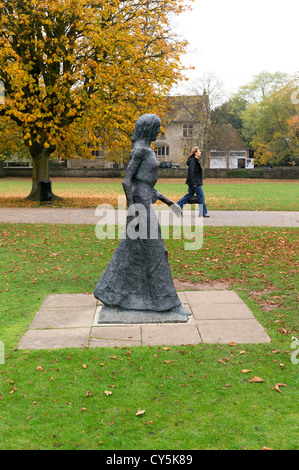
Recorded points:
(140,412)
(256,379)
(279,385)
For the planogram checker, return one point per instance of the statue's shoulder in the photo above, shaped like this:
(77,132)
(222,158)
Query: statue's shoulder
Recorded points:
(140,151)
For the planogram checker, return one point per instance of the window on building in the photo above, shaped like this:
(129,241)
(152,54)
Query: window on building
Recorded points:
(162,151)
(218,153)
(97,153)
(238,153)
(187,130)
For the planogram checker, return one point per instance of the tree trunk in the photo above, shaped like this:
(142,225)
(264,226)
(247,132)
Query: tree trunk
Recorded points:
(1,169)
(40,172)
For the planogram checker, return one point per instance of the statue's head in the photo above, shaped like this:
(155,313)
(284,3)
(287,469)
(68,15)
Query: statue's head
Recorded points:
(147,127)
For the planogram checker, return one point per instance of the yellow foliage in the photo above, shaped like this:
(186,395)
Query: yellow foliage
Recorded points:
(77,71)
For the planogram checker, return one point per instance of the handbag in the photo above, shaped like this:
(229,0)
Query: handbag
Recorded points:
(193,200)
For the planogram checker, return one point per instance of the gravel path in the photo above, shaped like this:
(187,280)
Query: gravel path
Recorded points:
(50,215)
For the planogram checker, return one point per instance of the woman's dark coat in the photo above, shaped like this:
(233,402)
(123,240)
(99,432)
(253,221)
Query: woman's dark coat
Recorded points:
(194,177)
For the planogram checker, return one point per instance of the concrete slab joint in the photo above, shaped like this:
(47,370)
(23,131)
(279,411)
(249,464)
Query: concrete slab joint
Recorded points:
(71,320)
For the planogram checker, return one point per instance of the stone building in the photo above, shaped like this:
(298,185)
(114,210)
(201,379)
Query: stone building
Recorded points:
(187,125)
(184,125)
(98,162)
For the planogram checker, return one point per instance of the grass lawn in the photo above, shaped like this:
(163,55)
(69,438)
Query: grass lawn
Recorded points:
(220,194)
(194,396)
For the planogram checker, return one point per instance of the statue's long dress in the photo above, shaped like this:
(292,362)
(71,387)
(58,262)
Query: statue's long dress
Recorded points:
(138,276)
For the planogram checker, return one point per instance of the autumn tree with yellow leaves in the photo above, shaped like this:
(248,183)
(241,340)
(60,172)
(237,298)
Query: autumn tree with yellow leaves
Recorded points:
(82,71)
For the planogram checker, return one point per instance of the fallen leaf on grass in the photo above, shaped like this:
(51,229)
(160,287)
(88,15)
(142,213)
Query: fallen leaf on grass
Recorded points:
(245,371)
(284,331)
(140,412)
(256,379)
(279,385)
(107,392)
(88,394)
(223,361)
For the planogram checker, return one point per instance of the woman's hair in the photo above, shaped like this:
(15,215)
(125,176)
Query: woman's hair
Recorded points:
(193,151)
(145,125)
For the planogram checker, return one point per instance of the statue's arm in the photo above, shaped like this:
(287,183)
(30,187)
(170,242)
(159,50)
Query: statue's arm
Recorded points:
(174,207)
(131,170)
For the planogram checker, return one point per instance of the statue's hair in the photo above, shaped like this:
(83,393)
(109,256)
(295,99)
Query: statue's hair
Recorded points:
(145,125)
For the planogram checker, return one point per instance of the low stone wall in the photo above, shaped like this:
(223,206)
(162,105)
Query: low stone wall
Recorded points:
(267,173)
(281,172)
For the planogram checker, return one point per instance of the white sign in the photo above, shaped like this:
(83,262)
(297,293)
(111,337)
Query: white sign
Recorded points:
(249,163)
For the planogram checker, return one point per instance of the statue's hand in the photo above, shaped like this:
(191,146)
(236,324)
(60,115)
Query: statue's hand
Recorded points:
(176,209)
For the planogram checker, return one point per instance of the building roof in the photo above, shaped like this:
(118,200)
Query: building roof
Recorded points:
(185,108)
(225,136)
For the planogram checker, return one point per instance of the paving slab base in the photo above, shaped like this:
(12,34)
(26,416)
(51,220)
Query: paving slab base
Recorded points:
(72,321)
(123,316)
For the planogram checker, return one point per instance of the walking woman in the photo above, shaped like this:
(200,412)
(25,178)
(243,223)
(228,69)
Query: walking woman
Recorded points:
(194,181)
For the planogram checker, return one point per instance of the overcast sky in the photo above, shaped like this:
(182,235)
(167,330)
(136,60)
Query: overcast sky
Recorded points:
(237,39)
